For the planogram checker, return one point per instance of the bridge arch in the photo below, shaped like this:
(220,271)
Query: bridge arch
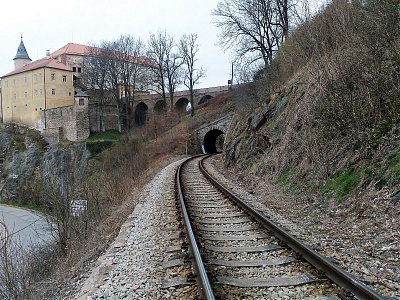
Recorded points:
(205,99)
(160,107)
(141,111)
(181,104)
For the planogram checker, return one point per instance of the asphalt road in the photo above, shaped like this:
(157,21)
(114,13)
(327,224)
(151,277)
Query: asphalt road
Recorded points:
(24,226)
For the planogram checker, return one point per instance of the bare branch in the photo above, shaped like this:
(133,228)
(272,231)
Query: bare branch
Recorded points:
(189,49)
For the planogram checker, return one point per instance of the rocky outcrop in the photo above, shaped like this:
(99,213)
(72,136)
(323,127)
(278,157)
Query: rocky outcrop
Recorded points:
(26,159)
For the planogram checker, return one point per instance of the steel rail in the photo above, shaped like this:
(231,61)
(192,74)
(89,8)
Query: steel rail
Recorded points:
(202,279)
(332,271)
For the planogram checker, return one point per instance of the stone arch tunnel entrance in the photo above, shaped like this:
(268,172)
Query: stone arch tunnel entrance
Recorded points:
(214,141)
(211,136)
(141,114)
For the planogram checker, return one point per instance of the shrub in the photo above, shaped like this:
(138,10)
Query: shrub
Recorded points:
(286,176)
(342,184)
(394,165)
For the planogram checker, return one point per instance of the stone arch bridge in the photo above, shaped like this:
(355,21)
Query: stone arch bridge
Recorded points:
(146,104)
(211,134)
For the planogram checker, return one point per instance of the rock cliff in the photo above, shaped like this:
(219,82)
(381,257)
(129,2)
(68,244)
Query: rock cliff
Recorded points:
(27,160)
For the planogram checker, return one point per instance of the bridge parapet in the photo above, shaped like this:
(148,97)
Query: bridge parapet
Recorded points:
(151,99)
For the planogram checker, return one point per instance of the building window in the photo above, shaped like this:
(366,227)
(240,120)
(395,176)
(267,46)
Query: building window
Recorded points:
(79,69)
(7,83)
(69,93)
(53,76)
(35,76)
(26,94)
(36,93)
(53,91)
(15,96)
(81,101)
(64,78)
(14,81)
(41,92)
(73,69)
(25,79)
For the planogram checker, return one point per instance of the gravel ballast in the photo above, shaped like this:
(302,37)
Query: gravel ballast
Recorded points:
(132,266)
(362,236)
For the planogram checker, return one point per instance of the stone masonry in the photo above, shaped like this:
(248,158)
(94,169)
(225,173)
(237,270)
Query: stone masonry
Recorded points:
(70,122)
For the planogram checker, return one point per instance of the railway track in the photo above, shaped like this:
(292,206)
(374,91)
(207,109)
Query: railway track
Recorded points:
(238,253)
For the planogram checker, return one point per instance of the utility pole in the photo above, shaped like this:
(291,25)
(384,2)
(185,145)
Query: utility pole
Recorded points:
(230,81)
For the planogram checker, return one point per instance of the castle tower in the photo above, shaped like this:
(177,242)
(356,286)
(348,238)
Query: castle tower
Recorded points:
(21,59)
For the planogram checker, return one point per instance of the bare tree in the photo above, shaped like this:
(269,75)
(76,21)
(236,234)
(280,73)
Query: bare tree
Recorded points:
(117,68)
(113,78)
(95,79)
(283,17)
(61,187)
(12,277)
(129,53)
(247,27)
(173,68)
(16,265)
(102,78)
(157,55)
(189,49)
(255,29)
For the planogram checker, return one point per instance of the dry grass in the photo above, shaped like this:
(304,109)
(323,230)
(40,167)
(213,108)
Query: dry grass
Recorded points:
(112,186)
(330,97)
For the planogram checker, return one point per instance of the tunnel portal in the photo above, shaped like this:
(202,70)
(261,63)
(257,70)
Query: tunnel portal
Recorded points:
(214,141)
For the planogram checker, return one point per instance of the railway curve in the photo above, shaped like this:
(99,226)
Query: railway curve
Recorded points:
(239,253)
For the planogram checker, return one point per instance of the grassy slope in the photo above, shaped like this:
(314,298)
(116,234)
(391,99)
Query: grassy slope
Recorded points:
(329,122)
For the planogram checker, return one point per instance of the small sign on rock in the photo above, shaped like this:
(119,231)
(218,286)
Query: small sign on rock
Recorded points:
(78,207)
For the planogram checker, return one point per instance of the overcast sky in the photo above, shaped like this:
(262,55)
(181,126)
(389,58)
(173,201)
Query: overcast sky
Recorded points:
(49,24)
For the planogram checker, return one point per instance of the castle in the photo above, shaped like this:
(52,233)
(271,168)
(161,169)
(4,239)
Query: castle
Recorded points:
(44,94)
(50,94)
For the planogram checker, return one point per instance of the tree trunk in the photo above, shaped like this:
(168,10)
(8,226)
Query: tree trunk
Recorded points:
(191,102)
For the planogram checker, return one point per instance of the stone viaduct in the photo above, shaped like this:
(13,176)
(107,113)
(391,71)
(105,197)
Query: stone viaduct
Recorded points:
(208,134)
(152,103)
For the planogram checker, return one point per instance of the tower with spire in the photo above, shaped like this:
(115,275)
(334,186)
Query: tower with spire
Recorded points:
(21,59)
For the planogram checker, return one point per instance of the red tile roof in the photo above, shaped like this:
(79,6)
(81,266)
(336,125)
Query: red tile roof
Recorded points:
(47,62)
(84,50)
(72,48)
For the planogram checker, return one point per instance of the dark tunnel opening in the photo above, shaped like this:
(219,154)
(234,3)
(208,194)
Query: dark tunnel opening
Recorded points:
(214,141)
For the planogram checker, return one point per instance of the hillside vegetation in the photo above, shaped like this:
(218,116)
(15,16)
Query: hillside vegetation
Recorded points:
(118,167)
(328,107)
